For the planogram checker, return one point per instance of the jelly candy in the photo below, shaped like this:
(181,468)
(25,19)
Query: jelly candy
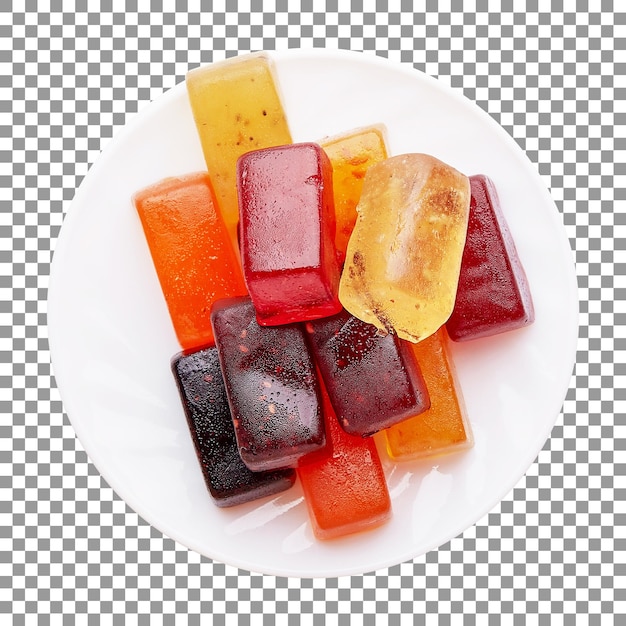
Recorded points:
(493,294)
(443,427)
(344,487)
(191,252)
(404,255)
(236,107)
(351,155)
(287,233)
(203,395)
(372,380)
(271,384)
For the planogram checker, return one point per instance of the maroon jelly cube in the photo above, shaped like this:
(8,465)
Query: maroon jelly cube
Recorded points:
(287,233)
(373,381)
(271,385)
(493,294)
(229,481)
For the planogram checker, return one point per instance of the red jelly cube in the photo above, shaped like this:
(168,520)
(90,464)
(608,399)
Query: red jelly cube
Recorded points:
(229,481)
(345,488)
(271,384)
(287,231)
(493,294)
(373,381)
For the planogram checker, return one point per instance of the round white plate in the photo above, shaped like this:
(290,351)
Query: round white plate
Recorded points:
(111,338)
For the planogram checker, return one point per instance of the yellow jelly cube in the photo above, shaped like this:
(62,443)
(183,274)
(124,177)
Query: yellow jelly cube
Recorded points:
(404,256)
(236,108)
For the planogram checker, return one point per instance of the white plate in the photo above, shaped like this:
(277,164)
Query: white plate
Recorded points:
(111,339)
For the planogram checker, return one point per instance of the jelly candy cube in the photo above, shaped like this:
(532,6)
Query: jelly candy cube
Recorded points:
(236,107)
(493,294)
(404,255)
(191,252)
(443,427)
(351,154)
(372,380)
(287,233)
(271,384)
(229,481)
(344,488)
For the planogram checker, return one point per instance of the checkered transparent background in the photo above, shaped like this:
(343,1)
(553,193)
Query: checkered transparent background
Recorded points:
(73,73)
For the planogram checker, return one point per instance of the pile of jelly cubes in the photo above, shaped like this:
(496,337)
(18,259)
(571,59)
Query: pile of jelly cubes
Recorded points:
(314,288)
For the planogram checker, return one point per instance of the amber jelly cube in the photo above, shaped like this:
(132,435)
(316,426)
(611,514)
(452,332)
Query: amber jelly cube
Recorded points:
(404,254)
(271,384)
(351,154)
(373,381)
(228,479)
(444,428)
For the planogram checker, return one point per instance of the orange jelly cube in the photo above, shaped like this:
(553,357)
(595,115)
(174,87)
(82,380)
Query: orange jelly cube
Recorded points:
(344,485)
(443,428)
(191,252)
(351,155)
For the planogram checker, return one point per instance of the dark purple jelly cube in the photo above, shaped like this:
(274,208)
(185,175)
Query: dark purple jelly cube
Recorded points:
(373,381)
(271,384)
(203,394)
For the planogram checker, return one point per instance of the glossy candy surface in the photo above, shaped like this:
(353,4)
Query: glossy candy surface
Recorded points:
(404,255)
(351,154)
(344,487)
(229,481)
(287,233)
(372,381)
(236,107)
(272,387)
(443,427)
(493,294)
(191,252)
